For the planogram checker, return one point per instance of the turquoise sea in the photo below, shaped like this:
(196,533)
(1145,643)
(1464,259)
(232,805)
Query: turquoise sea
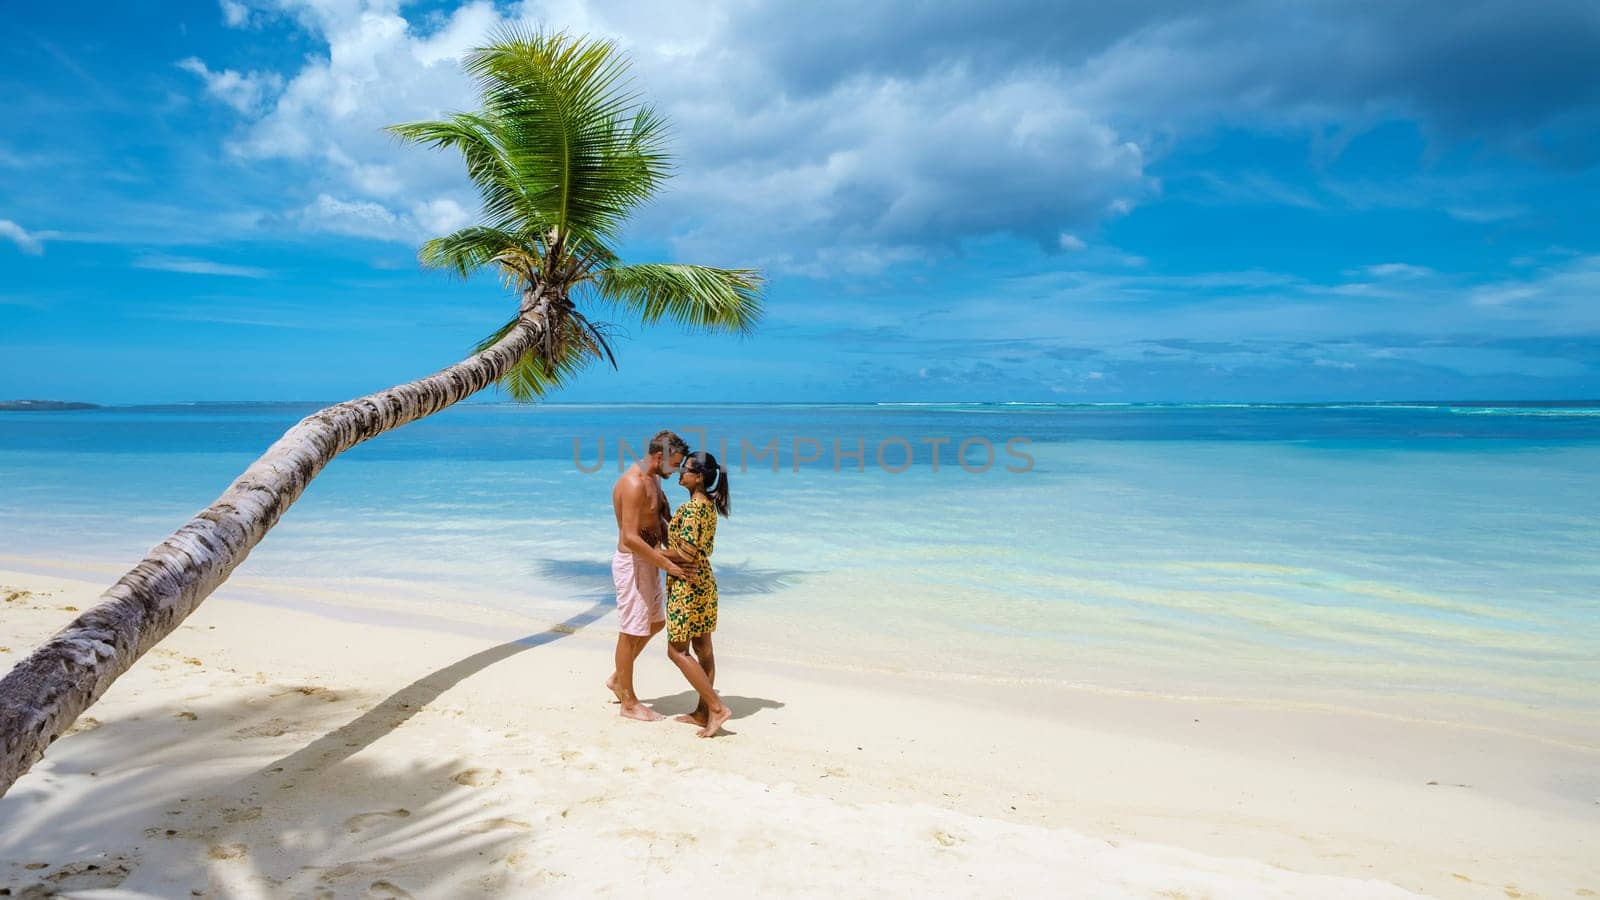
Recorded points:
(1434,560)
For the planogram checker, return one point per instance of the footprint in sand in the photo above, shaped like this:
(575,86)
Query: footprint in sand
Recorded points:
(367,820)
(945,838)
(269,728)
(575,760)
(186,715)
(476,777)
(227,851)
(386,889)
(234,817)
(87,723)
(498,823)
(105,874)
(309,690)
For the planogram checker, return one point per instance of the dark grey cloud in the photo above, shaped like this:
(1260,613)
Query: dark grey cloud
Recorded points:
(1495,69)
(1490,69)
(812,48)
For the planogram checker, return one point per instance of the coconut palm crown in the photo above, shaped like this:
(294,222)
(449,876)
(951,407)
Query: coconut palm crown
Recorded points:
(561,153)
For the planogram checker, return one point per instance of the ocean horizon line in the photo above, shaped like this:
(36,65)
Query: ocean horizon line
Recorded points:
(31,405)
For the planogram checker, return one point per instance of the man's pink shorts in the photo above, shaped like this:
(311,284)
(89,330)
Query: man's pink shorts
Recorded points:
(640,599)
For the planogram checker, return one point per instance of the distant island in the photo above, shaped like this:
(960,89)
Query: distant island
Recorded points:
(43,405)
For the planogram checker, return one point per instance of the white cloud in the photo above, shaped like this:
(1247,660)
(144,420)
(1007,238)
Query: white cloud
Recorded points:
(875,169)
(235,14)
(371,219)
(16,234)
(1071,243)
(440,216)
(359,218)
(1399,270)
(804,135)
(191,266)
(246,93)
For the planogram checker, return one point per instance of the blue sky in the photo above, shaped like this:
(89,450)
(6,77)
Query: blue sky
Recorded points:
(954,201)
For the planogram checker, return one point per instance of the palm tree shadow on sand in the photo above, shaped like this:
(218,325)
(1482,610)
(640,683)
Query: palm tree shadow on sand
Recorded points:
(399,707)
(184,810)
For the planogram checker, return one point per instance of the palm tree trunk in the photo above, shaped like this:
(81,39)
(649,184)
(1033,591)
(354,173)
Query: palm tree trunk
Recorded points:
(50,688)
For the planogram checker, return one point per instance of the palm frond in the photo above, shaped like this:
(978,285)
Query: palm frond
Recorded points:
(584,150)
(483,145)
(569,346)
(468,249)
(561,152)
(700,297)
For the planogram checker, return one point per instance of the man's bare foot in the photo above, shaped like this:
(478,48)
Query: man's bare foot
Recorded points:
(641,712)
(698,717)
(714,721)
(611,685)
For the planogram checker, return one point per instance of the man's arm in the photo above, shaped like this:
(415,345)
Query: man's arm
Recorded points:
(632,498)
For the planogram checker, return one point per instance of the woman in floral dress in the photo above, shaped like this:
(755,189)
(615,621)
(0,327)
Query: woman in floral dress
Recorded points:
(692,601)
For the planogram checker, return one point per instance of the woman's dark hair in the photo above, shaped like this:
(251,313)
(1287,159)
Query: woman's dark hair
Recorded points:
(716,478)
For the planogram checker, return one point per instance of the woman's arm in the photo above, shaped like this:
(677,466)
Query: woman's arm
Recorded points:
(687,538)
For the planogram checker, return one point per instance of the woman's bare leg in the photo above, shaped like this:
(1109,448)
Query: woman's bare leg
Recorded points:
(701,645)
(716,712)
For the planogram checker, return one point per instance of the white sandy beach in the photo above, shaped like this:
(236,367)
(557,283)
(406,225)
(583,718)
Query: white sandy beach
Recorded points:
(270,751)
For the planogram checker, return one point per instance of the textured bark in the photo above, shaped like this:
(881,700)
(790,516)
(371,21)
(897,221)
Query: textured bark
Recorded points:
(50,688)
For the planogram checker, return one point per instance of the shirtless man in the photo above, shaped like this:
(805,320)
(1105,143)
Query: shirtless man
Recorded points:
(642,516)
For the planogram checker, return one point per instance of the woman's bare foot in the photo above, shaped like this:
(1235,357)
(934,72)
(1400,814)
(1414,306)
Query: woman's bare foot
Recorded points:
(611,685)
(714,721)
(637,710)
(698,717)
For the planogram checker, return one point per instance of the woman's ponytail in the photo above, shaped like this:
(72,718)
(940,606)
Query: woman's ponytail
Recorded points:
(716,480)
(720,495)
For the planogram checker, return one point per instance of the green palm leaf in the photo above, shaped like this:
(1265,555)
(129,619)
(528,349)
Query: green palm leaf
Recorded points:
(699,297)
(469,249)
(482,143)
(576,344)
(561,152)
(587,152)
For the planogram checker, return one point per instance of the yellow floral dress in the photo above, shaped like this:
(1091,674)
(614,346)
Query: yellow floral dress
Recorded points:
(692,602)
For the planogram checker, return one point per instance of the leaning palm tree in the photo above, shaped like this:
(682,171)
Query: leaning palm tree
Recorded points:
(561,152)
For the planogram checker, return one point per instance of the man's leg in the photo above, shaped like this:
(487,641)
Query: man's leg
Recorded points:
(629,646)
(637,595)
(655,629)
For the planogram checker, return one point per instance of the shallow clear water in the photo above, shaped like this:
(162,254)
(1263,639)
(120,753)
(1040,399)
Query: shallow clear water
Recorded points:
(1425,559)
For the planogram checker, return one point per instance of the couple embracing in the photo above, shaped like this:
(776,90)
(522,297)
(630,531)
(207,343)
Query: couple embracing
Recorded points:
(652,539)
